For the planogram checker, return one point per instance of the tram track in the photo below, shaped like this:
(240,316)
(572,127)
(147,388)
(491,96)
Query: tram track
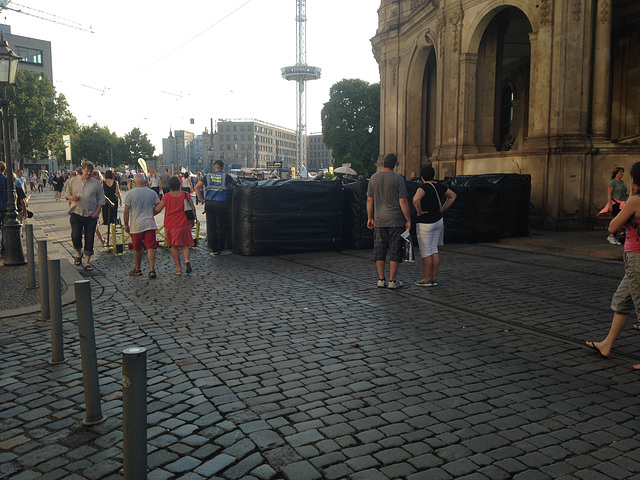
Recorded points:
(470,312)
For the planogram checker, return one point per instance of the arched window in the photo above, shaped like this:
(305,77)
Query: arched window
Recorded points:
(505,128)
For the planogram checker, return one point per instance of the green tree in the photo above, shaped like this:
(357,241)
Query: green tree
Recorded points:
(351,124)
(42,116)
(98,145)
(138,145)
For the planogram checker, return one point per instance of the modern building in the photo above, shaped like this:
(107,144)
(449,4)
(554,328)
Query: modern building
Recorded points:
(254,144)
(318,156)
(178,150)
(35,54)
(547,88)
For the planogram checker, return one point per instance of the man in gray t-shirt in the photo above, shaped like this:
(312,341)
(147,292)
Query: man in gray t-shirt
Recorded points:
(140,224)
(388,216)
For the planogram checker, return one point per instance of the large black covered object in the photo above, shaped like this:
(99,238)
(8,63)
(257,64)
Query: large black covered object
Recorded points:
(275,217)
(356,235)
(488,207)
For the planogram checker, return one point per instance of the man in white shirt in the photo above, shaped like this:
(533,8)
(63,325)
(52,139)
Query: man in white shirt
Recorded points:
(140,224)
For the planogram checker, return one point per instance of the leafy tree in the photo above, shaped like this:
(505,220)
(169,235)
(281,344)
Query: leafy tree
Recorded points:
(351,124)
(138,145)
(97,144)
(42,116)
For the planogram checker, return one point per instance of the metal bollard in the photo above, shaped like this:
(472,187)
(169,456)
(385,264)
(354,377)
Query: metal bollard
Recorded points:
(134,413)
(55,304)
(31,261)
(44,279)
(88,353)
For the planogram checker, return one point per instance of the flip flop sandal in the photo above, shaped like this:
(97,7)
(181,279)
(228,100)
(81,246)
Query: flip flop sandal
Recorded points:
(135,273)
(152,274)
(77,261)
(88,268)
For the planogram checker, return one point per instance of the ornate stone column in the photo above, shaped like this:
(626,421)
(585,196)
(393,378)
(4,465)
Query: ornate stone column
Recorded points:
(601,106)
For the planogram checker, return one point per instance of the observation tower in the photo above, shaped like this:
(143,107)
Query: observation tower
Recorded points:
(301,73)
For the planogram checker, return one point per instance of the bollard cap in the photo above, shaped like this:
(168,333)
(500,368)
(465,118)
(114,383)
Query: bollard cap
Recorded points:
(134,350)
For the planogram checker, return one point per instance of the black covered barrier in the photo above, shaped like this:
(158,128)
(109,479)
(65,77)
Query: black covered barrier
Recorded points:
(274,217)
(488,207)
(356,235)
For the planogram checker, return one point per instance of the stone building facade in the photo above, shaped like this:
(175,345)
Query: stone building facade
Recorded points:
(548,88)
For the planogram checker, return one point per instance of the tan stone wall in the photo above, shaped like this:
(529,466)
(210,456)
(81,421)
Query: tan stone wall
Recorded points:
(555,56)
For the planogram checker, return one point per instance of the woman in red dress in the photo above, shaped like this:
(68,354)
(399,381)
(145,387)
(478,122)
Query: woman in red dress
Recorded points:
(176,224)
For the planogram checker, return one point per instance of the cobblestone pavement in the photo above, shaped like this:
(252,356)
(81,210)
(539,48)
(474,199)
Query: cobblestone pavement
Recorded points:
(297,367)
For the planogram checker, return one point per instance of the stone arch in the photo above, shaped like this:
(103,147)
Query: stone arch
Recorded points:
(503,64)
(421,112)
(471,42)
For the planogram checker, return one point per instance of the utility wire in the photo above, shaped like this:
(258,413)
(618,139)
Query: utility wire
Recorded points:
(196,36)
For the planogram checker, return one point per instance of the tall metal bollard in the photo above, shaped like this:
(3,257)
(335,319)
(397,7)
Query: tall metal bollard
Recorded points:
(134,413)
(44,279)
(55,304)
(31,260)
(88,353)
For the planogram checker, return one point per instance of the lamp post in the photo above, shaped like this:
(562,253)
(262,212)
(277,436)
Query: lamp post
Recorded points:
(8,68)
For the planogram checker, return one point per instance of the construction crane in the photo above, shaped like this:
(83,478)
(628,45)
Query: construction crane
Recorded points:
(49,17)
(301,73)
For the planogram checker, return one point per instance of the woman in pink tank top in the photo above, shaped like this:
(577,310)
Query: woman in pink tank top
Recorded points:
(628,293)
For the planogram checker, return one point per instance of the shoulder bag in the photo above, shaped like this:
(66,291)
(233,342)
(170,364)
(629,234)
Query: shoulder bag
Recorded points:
(441,239)
(188,211)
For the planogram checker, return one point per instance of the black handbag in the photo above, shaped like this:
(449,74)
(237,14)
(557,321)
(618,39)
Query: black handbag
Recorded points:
(188,211)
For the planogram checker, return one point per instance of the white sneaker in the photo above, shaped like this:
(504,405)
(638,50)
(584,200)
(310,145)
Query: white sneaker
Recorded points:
(395,284)
(613,240)
(382,283)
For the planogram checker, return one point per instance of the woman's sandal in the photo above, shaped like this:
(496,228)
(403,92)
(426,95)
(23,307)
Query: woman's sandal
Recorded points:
(636,326)
(77,261)
(152,274)
(88,268)
(135,273)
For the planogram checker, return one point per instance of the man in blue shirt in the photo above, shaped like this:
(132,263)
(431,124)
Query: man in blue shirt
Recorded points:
(216,206)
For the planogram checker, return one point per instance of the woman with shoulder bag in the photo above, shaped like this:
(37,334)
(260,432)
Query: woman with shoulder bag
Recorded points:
(429,224)
(176,224)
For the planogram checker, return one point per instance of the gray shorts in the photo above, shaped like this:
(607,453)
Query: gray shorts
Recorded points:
(388,239)
(628,293)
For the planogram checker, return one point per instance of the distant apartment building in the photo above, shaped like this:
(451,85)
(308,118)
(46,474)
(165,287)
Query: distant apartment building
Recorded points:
(179,150)
(35,54)
(318,156)
(253,144)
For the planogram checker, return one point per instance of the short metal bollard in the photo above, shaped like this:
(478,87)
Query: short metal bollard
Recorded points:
(88,353)
(134,413)
(44,280)
(55,304)
(31,260)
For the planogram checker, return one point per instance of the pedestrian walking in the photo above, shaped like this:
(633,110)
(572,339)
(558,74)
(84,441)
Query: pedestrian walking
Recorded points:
(98,176)
(429,223)
(112,193)
(86,198)
(628,292)
(139,223)
(177,226)
(388,216)
(164,181)
(616,196)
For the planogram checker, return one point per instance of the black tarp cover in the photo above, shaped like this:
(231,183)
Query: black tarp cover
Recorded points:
(356,235)
(488,207)
(273,217)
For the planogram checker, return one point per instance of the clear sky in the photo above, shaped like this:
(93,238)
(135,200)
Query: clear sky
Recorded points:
(157,64)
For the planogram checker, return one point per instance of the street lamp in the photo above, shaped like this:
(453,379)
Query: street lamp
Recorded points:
(13,242)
